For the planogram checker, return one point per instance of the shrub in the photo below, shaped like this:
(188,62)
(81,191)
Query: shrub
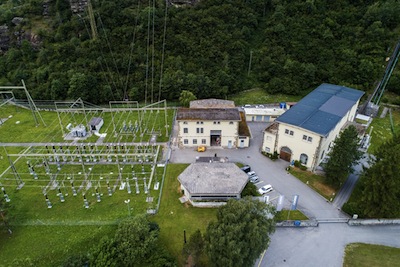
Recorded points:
(273,156)
(249,190)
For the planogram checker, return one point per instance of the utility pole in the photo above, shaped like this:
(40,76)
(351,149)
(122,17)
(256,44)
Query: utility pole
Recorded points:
(251,57)
(92,20)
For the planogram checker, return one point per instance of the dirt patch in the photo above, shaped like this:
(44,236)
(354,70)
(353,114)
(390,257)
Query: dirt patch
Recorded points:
(326,189)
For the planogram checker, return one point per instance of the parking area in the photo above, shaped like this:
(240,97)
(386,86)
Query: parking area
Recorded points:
(269,172)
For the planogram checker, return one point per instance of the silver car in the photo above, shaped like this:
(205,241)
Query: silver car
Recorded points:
(265,189)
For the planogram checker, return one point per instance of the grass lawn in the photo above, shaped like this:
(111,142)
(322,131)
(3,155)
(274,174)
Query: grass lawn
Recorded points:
(46,236)
(382,129)
(19,125)
(293,215)
(259,96)
(316,182)
(367,255)
(174,217)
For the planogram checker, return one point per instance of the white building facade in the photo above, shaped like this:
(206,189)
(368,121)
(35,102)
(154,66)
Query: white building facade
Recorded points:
(211,123)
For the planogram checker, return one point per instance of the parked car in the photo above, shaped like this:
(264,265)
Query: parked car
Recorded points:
(246,168)
(254,179)
(201,148)
(265,189)
(251,173)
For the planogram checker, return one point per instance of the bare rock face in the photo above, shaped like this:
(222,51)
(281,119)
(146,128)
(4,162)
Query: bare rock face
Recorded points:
(78,6)
(178,3)
(4,38)
(46,7)
(17,20)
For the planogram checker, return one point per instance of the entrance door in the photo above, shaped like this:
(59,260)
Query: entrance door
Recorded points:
(215,136)
(241,143)
(285,153)
(229,143)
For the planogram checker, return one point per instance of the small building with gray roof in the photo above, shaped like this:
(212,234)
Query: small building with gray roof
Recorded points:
(306,131)
(208,181)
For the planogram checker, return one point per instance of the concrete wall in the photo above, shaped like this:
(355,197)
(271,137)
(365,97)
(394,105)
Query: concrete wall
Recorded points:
(373,222)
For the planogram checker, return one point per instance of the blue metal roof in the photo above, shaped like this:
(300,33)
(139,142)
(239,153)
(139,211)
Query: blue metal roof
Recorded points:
(322,109)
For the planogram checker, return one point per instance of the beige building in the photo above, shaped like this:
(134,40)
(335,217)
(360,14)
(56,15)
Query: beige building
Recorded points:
(212,122)
(307,130)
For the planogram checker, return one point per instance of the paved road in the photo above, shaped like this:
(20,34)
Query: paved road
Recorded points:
(347,188)
(323,245)
(315,246)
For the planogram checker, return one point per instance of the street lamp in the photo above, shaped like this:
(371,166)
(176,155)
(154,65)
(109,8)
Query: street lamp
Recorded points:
(129,209)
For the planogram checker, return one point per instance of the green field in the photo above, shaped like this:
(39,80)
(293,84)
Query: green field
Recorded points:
(381,131)
(259,96)
(175,217)
(120,126)
(367,255)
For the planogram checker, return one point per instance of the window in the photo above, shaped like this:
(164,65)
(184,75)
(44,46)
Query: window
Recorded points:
(231,122)
(185,122)
(289,132)
(194,141)
(215,122)
(185,141)
(199,130)
(203,141)
(185,130)
(267,149)
(303,159)
(199,122)
(218,122)
(269,138)
(307,138)
(323,153)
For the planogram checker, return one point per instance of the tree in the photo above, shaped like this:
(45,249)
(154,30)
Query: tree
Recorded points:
(381,183)
(186,97)
(136,241)
(344,154)
(194,249)
(240,234)
(135,244)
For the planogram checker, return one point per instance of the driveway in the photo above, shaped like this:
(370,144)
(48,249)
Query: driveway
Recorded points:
(270,172)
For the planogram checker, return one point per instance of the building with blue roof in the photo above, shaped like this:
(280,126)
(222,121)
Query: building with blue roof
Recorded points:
(305,132)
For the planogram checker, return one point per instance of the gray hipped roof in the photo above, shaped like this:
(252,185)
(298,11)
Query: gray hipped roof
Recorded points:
(322,109)
(213,178)
(207,114)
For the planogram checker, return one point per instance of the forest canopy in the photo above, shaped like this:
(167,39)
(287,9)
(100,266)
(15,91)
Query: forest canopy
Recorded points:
(145,50)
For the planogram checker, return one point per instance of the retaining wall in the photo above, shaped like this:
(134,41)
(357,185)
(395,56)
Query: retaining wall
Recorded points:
(373,222)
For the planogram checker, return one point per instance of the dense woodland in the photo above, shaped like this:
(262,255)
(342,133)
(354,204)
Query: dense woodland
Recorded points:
(147,50)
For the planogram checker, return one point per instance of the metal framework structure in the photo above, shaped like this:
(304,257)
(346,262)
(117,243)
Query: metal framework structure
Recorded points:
(45,162)
(31,103)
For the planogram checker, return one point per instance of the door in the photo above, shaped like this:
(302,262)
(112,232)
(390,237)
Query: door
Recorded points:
(241,143)
(285,153)
(229,143)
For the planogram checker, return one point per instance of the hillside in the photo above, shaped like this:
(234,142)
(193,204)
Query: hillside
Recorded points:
(214,48)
